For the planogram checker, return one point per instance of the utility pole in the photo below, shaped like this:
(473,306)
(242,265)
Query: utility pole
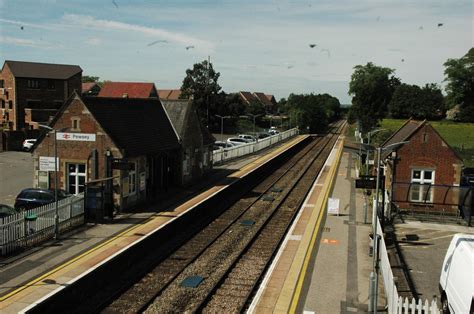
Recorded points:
(207,88)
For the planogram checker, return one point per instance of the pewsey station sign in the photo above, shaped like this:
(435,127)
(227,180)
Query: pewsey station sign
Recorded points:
(61,136)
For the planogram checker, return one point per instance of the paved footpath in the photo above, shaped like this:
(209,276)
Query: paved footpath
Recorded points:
(339,280)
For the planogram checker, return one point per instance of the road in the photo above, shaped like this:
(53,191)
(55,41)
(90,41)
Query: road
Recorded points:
(16,173)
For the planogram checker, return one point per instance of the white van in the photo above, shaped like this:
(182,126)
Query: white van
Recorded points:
(456,283)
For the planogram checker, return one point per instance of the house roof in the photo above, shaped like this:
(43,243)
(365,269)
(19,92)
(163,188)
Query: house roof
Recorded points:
(169,94)
(263,99)
(86,87)
(138,126)
(182,116)
(42,70)
(127,89)
(247,97)
(402,134)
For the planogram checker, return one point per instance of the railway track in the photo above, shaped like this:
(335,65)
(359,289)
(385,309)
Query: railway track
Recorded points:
(227,258)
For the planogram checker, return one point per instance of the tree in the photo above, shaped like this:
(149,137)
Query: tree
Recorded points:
(308,111)
(331,105)
(371,88)
(460,88)
(201,83)
(90,79)
(411,101)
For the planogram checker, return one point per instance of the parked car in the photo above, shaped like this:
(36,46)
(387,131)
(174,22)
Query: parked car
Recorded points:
(248,138)
(236,141)
(456,284)
(219,145)
(6,210)
(28,144)
(273,132)
(31,198)
(263,135)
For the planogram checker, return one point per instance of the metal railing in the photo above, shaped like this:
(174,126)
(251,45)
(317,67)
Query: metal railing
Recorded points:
(225,154)
(36,225)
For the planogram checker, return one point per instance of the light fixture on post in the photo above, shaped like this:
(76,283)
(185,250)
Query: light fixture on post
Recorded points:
(222,124)
(373,293)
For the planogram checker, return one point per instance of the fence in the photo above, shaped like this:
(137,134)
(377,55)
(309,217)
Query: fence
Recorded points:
(37,225)
(222,154)
(395,303)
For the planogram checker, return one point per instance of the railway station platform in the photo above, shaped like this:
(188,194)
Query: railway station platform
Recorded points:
(29,278)
(323,265)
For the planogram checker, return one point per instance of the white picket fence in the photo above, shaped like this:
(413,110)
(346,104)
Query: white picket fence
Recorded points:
(395,303)
(222,155)
(17,231)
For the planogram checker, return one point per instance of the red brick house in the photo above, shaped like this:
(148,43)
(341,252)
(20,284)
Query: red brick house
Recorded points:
(128,90)
(95,134)
(90,89)
(422,174)
(32,92)
(169,94)
(268,101)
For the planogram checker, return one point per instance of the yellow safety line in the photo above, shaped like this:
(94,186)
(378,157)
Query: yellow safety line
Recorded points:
(299,286)
(34,281)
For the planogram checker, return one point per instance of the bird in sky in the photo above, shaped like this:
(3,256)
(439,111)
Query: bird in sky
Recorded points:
(403,60)
(290,66)
(189,47)
(21,27)
(420,28)
(157,41)
(312,45)
(440,24)
(115,3)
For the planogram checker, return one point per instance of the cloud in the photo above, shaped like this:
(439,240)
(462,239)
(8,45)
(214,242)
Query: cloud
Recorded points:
(94,41)
(22,42)
(173,37)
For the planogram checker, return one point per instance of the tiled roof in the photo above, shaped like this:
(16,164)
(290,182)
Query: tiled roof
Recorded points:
(247,97)
(183,117)
(88,86)
(138,126)
(42,70)
(263,99)
(127,89)
(402,134)
(169,94)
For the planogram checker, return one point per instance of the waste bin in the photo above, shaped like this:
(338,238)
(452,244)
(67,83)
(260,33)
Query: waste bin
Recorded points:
(30,223)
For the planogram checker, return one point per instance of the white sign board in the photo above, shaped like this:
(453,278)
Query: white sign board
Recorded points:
(47,163)
(333,206)
(88,137)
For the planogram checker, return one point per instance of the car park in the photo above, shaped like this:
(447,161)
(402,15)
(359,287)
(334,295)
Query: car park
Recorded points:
(248,138)
(6,211)
(28,144)
(237,141)
(31,198)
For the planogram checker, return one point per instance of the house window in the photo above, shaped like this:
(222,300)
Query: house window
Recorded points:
(421,190)
(3,103)
(425,137)
(76,175)
(51,85)
(10,104)
(2,83)
(132,180)
(76,124)
(33,84)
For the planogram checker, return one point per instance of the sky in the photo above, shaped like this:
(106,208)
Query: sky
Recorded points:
(258,46)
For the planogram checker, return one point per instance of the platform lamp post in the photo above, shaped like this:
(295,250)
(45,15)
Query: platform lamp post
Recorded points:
(222,124)
(368,143)
(253,116)
(374,280)
(56,211)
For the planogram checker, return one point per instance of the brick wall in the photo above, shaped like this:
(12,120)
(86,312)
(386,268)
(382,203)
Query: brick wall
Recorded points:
(8,114)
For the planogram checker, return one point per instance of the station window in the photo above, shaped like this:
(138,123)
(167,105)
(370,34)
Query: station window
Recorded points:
(76,124)
(34,84)
(421,190)
(132,180)
(76,174)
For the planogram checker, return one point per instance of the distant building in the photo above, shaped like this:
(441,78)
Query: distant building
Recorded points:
(196,140)
(128,90)
(32,92)
(268,101)
(169,94)
(130,141)
(90,89)
(421,174)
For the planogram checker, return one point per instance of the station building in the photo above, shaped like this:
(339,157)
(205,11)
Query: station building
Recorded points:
(423,174)
(129,143)
(196,140)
